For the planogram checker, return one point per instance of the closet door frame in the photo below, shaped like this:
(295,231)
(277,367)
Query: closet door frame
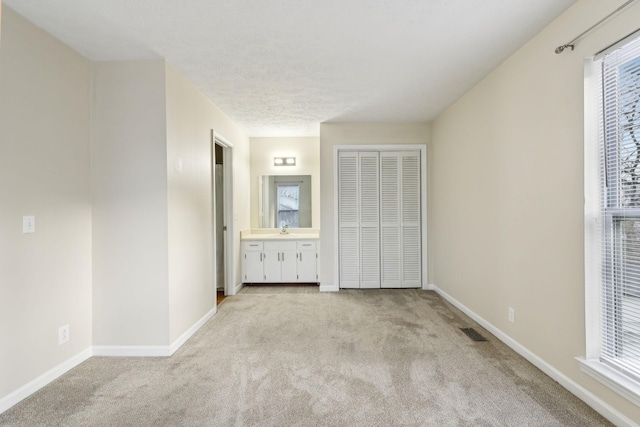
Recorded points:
(422,148)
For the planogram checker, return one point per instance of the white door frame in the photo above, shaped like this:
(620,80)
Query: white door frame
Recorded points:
(422,148)
(229,247)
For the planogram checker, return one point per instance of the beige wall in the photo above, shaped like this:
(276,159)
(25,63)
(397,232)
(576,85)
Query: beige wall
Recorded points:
(241,196)
(152,234)
(332,134)
(507,193)
(129,188)
(190,118)
(45,277)
(306,150)
(87,150)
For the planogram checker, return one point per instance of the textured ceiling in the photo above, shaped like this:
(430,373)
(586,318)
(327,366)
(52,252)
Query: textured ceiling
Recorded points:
(281,67)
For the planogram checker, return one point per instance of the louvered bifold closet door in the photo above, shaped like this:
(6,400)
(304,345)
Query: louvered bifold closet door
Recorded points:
(390,220)
(410,219)
(379,216)
(348,222)
(401,254)
(369,202)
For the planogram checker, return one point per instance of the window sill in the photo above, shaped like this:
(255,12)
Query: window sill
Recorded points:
(617,382)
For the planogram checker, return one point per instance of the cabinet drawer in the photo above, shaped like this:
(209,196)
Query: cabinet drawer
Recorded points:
(253,246)
(306,246)
(279,246)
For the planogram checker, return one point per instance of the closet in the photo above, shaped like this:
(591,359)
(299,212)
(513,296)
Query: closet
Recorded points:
(379,219)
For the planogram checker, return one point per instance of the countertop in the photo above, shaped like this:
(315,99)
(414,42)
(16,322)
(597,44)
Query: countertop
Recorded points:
(274,234)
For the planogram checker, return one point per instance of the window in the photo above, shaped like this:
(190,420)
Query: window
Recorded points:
(288,205)
(615,283)
(621,211)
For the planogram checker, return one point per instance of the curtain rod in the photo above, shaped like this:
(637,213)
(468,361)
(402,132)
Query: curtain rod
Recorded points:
(615,44)
(570,44)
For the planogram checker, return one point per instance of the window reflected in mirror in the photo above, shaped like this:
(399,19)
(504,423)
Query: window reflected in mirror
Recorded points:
(285,200)
(288,205)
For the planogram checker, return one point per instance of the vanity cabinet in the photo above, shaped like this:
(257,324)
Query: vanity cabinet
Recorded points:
(278,261)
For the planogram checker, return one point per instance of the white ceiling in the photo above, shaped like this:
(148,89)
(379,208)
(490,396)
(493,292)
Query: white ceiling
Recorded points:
(281,67)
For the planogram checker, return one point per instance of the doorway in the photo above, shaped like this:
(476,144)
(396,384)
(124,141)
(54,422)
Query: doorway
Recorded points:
(223,242)
(218,195)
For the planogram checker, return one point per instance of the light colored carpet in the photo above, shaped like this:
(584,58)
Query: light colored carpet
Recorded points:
(291,356)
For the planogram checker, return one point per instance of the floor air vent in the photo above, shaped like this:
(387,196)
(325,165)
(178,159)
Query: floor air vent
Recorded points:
(473,334)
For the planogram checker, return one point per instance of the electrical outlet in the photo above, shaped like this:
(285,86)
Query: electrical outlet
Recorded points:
(28,224)
(512,315)
(63,334)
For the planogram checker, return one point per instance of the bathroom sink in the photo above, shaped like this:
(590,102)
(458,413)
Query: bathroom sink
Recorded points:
(283,235)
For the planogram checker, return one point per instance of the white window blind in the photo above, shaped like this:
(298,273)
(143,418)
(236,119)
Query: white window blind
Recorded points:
(619,135)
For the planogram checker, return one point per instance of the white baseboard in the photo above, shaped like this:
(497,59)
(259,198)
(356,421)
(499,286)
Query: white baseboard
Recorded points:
(152,350)
(44,379)
(588,397)
(132,350)
(192,330)
(329,288)
(113,351)
(239,286)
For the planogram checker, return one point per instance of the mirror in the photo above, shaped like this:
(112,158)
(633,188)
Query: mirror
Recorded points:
(285,200)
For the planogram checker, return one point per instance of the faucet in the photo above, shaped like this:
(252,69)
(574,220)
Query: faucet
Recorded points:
(285,229)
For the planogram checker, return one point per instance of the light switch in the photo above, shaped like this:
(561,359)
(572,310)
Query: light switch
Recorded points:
(28,224)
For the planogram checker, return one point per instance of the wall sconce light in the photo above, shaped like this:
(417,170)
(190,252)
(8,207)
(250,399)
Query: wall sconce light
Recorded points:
(284,161)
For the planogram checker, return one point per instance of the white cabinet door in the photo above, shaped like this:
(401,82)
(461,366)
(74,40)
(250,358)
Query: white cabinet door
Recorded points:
(253,264)
(272,267)
(307,262)
(280,262)
(289,267)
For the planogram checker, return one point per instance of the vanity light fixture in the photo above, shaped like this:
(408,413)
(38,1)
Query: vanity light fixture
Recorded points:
(284,161)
